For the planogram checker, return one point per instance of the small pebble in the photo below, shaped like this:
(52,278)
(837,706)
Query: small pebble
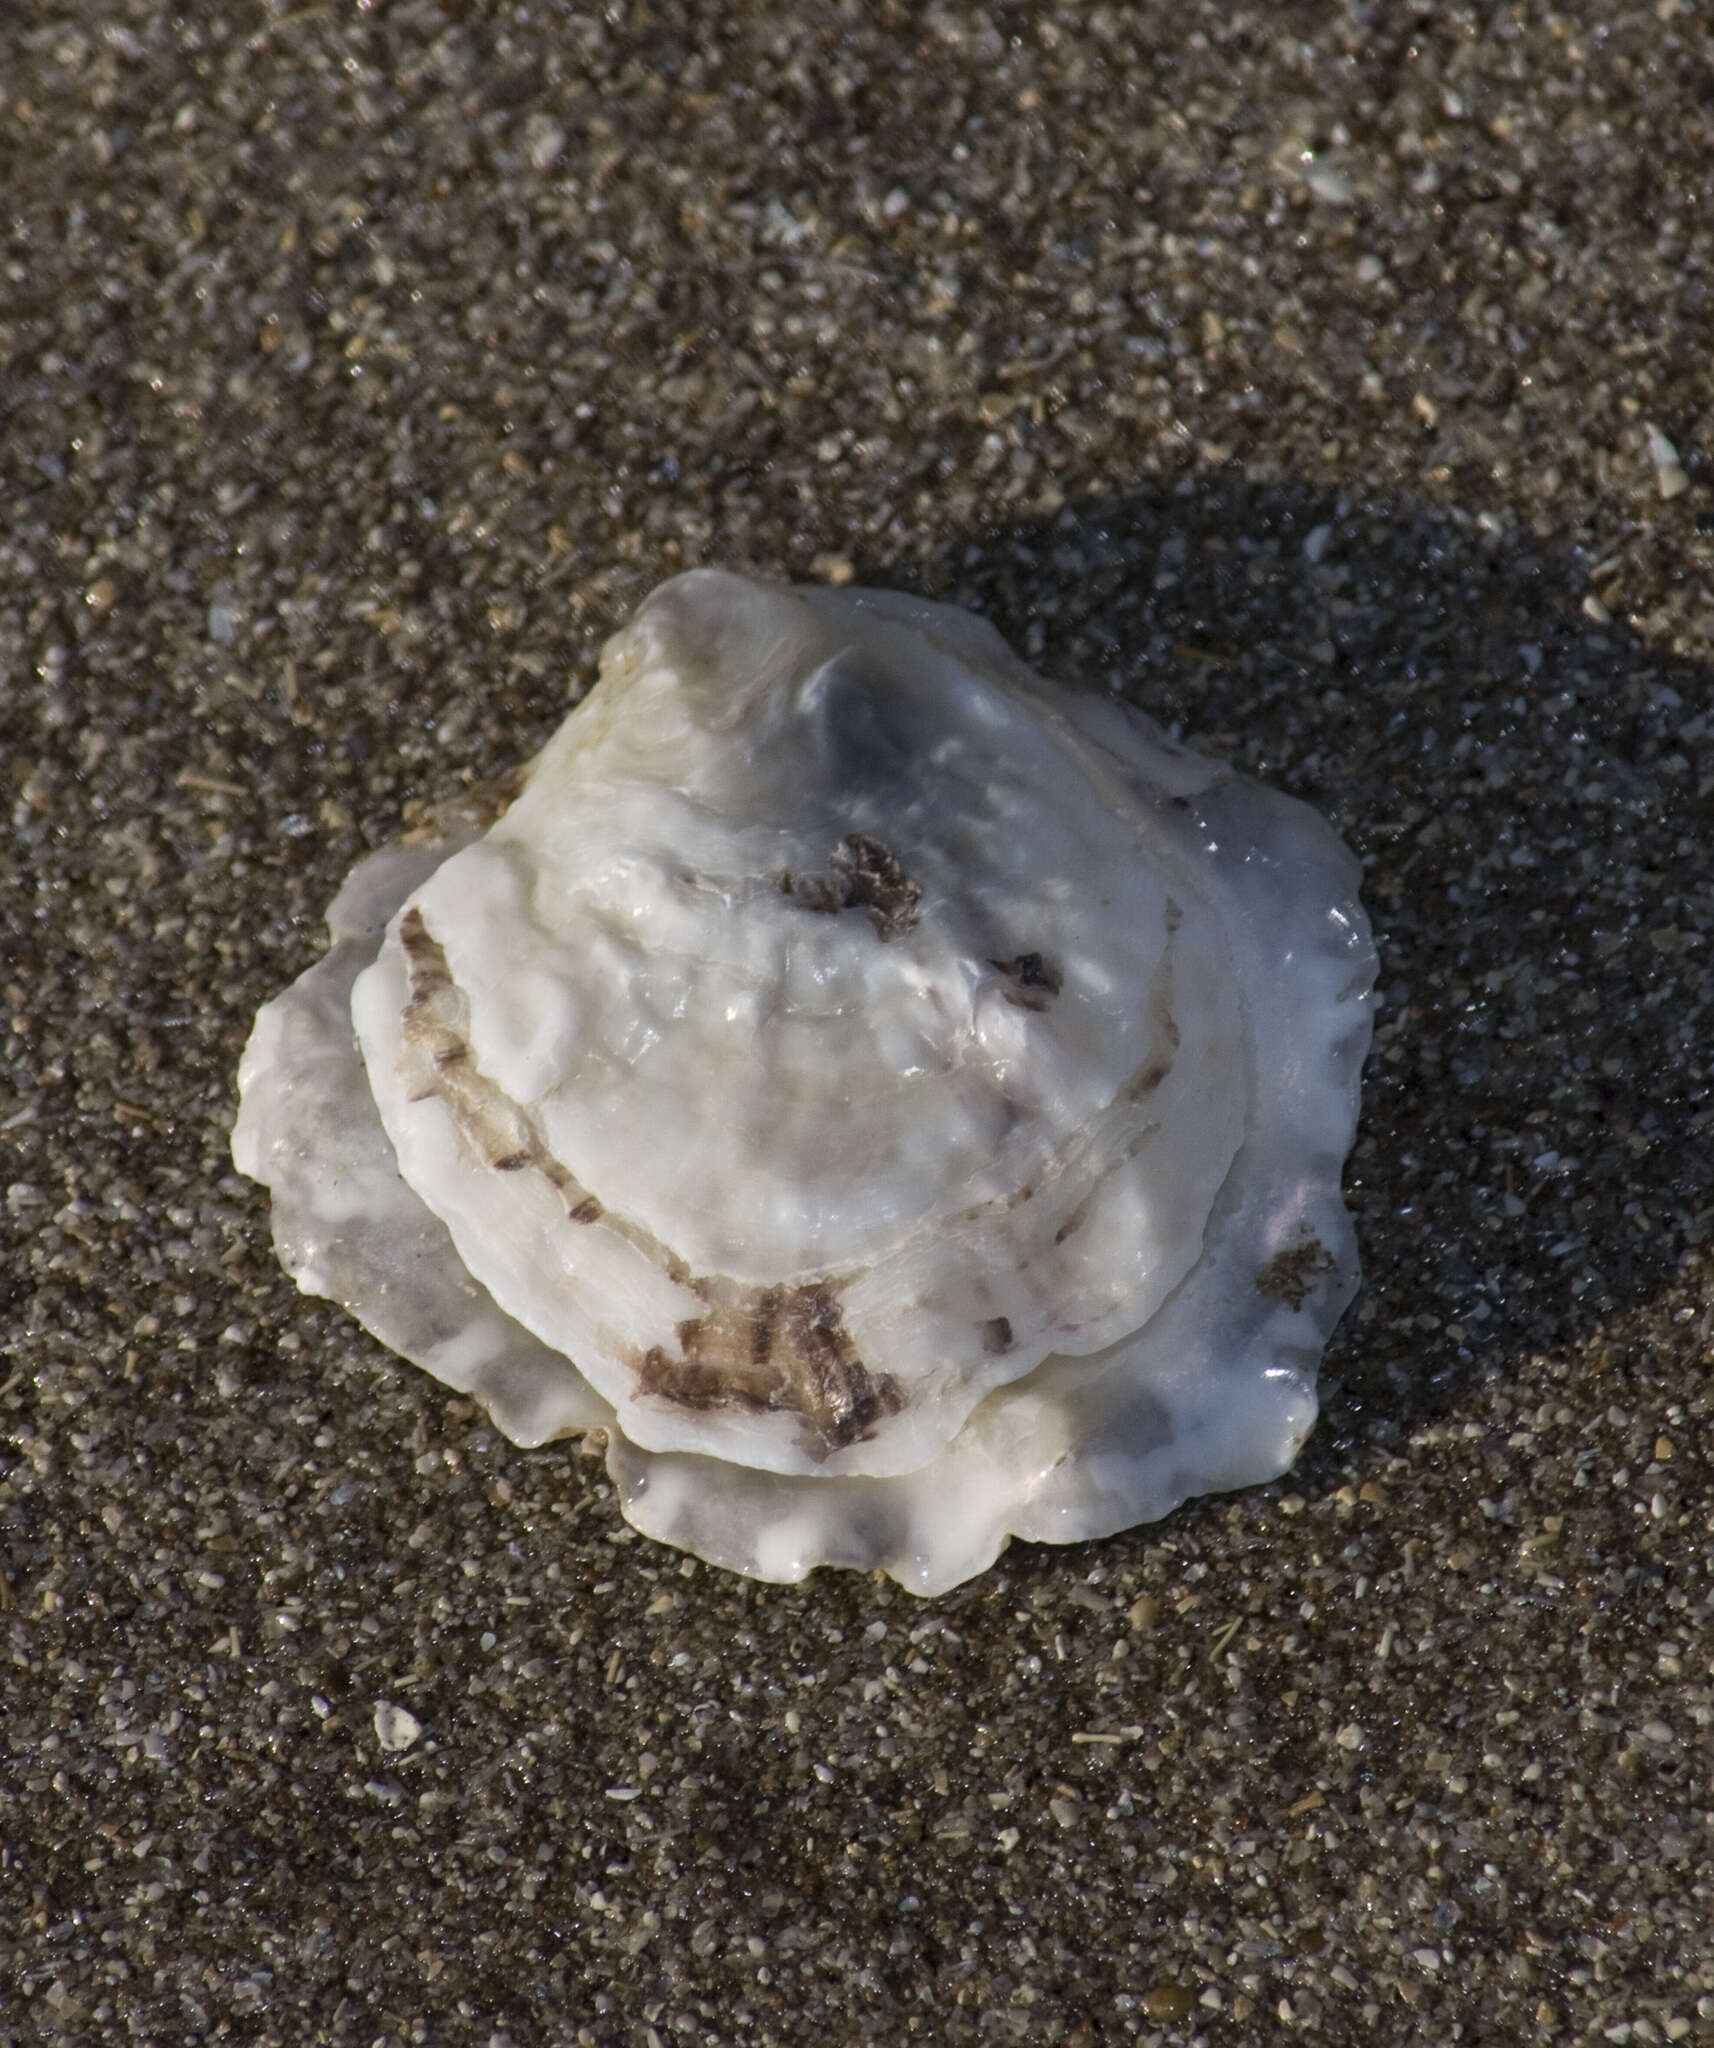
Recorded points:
(396,1728)
(1669,475)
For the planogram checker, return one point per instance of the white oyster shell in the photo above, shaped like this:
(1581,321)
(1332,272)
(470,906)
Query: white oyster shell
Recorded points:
(900,1101)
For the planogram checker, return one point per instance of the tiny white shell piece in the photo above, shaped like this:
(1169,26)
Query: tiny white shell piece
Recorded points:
(912,1093)
(396,1727)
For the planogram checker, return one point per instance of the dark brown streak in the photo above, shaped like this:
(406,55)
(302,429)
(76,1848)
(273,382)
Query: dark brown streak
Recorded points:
(863,875)
(433,1024)
(1034,980)
(780,1350)
(997,1336)
(1292,1275)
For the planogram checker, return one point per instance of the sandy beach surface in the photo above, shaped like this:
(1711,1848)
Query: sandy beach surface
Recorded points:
(1337,381)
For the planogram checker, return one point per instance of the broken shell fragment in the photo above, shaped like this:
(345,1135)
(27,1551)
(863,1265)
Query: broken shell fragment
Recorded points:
(899,1100)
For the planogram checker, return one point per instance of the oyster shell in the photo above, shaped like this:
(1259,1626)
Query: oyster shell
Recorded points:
(897,1099)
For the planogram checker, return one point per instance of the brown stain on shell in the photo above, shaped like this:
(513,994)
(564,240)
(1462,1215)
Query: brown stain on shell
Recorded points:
(772,1350)
(862,875)
(1033,980)
(1291,1276)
